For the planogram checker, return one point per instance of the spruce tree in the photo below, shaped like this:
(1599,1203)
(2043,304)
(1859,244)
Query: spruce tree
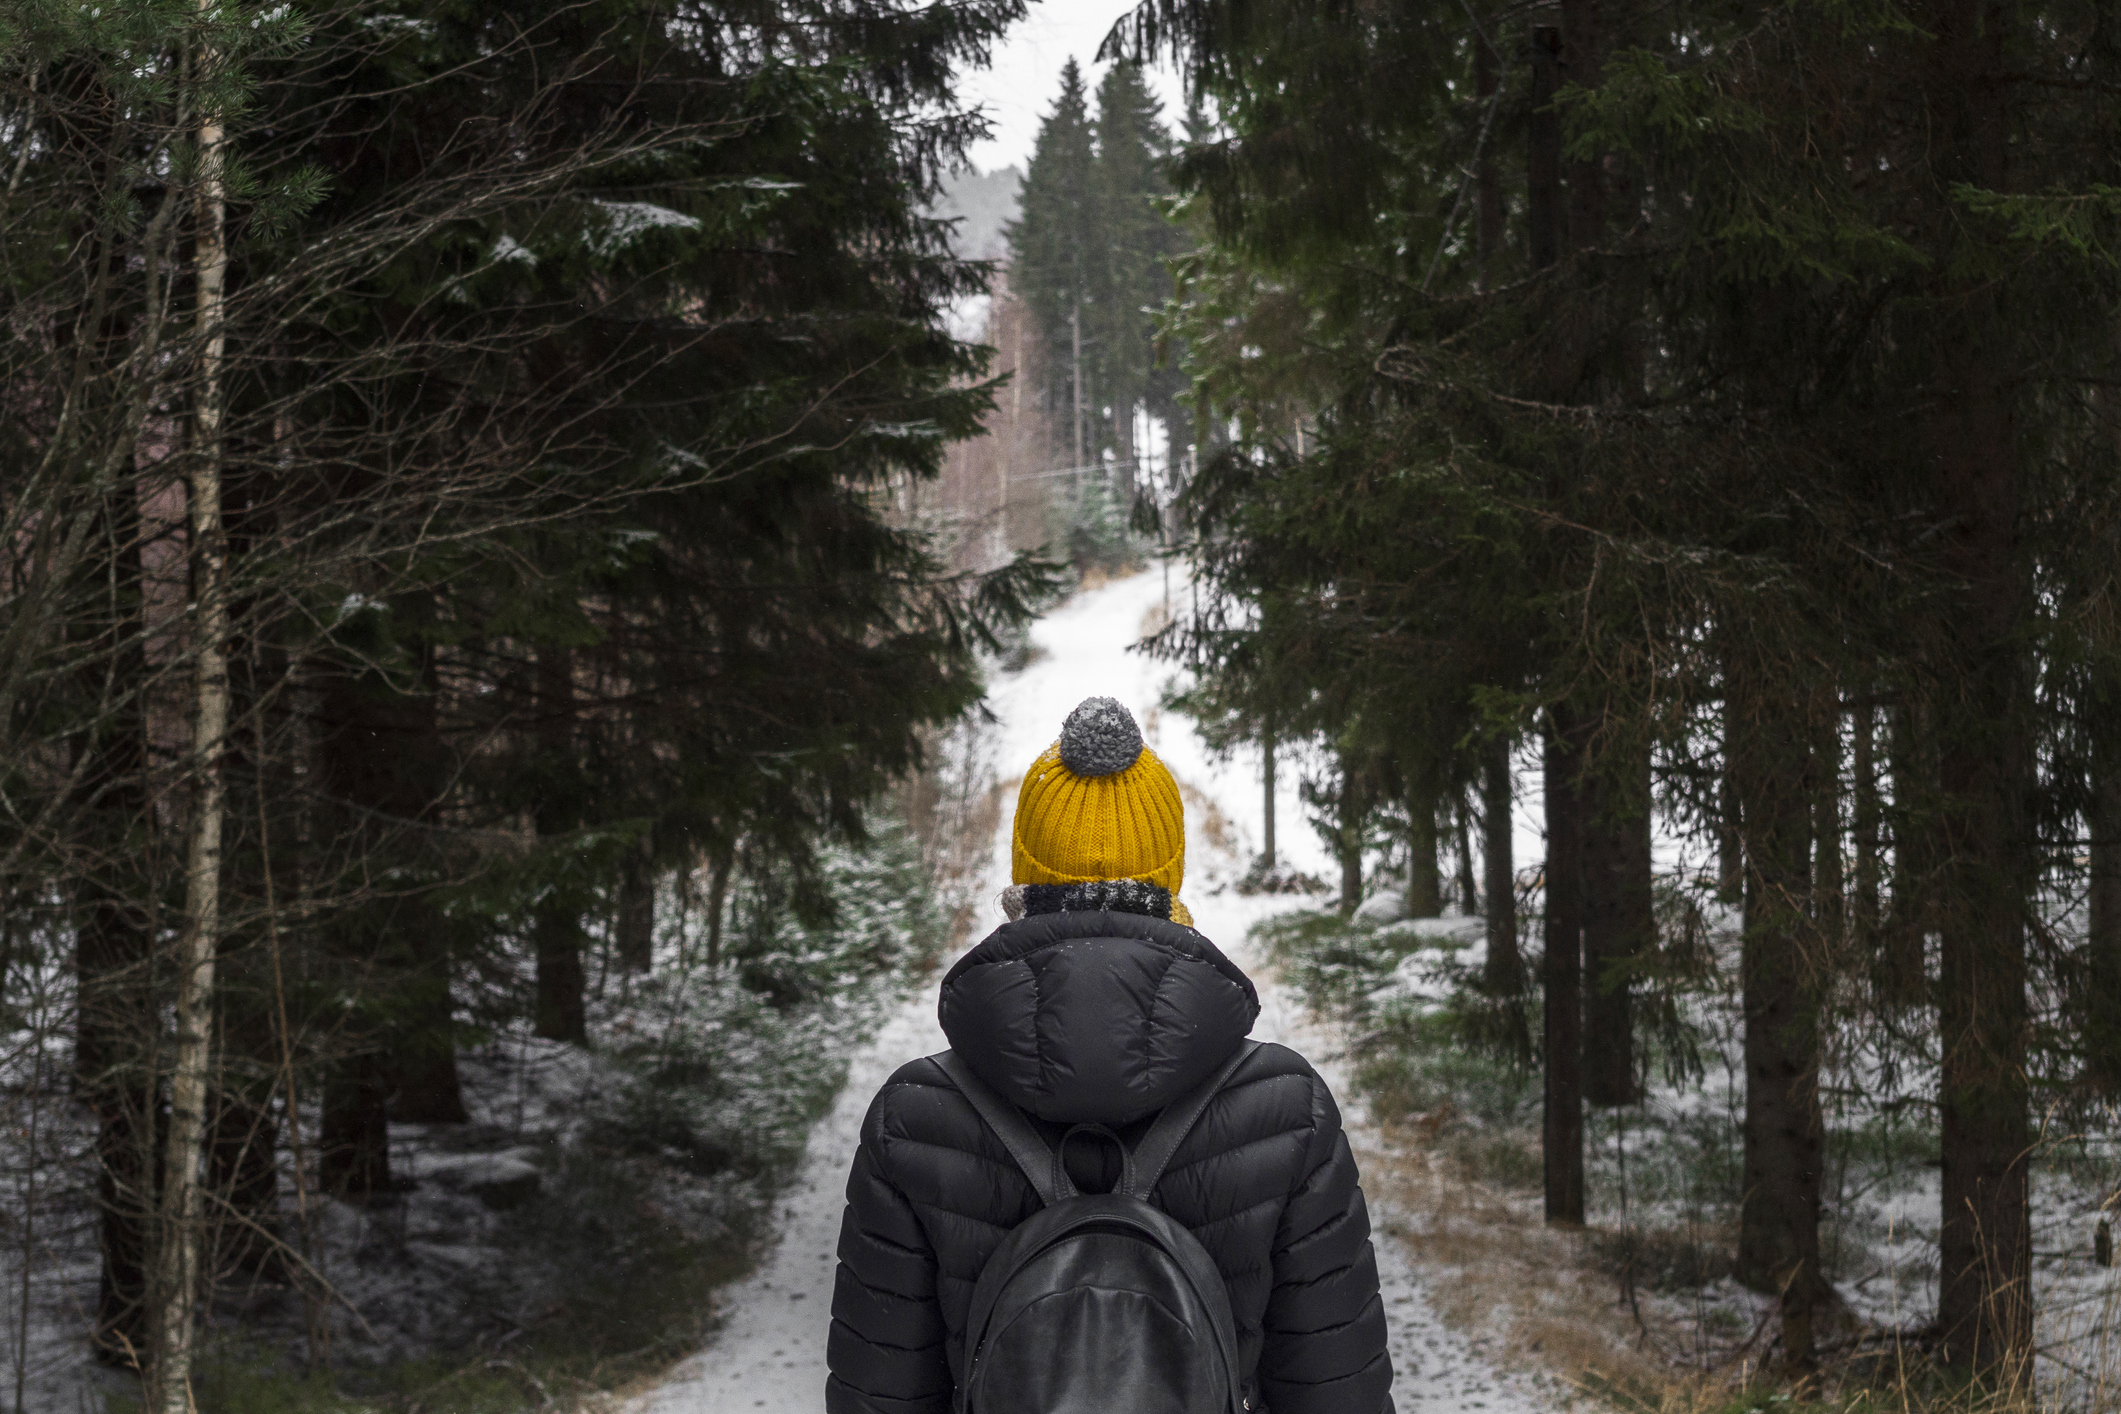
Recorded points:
(1129,280)
(1835,399)
(1053,244)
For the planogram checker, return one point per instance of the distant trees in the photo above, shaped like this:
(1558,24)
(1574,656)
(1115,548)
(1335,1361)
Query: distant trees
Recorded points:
(1089,255)
(446,447)
(1727,445)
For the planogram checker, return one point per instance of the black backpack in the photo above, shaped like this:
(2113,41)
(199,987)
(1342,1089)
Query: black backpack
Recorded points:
(1099,1303)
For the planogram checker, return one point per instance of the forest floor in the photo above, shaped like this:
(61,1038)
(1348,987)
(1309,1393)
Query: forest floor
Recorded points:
(769,1353)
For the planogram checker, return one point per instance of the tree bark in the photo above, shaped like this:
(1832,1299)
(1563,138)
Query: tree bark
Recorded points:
(353,1135)
(179,1219)
(1619,920)
(116,1025)
(557,938)
(556,926)
(1986,751)
(1903,952)
(1730,820)
(1863,765)
(1829,881)
(718,903)
(1985,1245)
(1468,890)
(1266,857)
(1502,973)
(1424,891)
(1351,818)
(423,1080)
(1778,1229)
(2102,1012)
(114,1075)
(1561,976)
(636,922)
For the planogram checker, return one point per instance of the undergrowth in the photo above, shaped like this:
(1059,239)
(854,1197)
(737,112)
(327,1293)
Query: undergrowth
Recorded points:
(1643,1307)
(700,1088)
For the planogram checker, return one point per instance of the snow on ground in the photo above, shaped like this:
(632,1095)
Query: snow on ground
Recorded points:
(770,1355)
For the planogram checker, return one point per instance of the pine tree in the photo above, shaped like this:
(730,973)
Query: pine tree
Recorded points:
(545,333)
(1128,280)
(1835,425)
(1089,254)
(1053,244)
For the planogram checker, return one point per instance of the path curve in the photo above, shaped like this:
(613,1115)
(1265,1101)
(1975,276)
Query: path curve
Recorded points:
(769,1357)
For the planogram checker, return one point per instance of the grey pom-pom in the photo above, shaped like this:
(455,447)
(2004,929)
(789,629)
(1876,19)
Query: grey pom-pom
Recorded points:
(1100,738)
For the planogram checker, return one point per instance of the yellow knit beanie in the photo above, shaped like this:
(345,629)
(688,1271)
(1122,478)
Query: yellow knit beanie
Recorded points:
(1097,804)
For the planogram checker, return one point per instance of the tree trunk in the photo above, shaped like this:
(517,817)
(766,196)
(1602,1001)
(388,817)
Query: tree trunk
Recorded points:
(1561,976)
(1424,891)
(1266,857)
(556,926)
(557,937)
(1468,891)
(1502,974)
(1985,1246)
(114,1075)
(1730,819)
(1619,920)
(2102,1012)
(636,922)
(182,1203)
(1829,882)
(1351,818)
(718,903)
(353,1135)
(1863,898)
(1986,747)
(381,766)
(116,1025)
(423,1079)
(1903,961)
(1778,1229)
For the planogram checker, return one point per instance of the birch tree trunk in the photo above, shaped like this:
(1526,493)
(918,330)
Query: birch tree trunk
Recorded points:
(177,1275)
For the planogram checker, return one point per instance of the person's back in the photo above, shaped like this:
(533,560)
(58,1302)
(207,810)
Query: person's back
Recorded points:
(1098,1004)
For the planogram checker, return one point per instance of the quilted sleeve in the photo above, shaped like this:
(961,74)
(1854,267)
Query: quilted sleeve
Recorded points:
(1324,1332)
(885,1354)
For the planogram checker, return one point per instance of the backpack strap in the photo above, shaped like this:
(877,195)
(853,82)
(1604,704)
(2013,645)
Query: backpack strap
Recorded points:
(1041,1165)
(1176,1122)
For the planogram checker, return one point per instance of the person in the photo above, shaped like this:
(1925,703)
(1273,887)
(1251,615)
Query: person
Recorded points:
(1098,1003)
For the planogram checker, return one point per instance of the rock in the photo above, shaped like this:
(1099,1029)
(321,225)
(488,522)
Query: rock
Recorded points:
(501,1180)
(1384,906)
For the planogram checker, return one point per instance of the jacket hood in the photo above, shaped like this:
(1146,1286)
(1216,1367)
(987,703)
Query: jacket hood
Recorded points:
(1095,1017)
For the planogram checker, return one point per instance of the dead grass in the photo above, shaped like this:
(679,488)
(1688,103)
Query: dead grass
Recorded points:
(1606,1311)
(1500,1268)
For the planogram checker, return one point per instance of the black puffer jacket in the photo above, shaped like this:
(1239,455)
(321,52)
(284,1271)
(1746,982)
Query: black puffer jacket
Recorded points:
(1105,1017)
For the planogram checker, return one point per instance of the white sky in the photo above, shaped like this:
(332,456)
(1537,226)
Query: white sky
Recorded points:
(1019,89)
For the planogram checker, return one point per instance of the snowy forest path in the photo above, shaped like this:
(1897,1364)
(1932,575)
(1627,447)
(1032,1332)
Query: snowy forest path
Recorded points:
(770,1354)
